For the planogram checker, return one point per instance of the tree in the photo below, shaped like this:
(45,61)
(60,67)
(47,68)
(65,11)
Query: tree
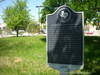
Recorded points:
(90,7)
(17,16)
(33,27)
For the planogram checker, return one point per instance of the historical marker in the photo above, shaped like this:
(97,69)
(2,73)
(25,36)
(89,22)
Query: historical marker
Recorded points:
(65,39)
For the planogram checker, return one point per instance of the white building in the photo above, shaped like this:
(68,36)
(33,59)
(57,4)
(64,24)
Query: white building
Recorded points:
(2,26)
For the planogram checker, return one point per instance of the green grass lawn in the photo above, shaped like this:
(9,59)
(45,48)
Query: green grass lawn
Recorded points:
(27,56)
(24,56)
(92,55)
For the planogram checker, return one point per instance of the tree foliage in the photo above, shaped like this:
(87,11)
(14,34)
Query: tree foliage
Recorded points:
(17,16)
(90,7)
(33,27)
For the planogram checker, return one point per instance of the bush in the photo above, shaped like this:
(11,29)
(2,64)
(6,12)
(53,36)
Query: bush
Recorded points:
(33,28)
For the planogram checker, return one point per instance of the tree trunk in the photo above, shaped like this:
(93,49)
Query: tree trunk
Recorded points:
(17,31)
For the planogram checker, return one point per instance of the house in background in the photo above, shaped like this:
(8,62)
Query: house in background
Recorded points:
(2,30)
(2,26)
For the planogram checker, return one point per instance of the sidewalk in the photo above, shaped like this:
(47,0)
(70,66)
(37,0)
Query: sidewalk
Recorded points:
(3,36)
(36,34)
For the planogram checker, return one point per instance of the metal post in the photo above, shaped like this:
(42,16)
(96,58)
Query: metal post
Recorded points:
(39,15)
(39,9)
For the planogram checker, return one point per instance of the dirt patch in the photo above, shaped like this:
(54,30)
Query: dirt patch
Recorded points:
(9,61)
(17,60)
(6,61)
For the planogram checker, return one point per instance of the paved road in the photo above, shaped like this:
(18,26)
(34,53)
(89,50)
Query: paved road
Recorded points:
(4,36)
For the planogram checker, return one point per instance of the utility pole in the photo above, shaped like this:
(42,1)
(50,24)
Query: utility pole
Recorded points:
(39,15)
(41,26)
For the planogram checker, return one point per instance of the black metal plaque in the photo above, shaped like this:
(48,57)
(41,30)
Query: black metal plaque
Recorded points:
(65,37)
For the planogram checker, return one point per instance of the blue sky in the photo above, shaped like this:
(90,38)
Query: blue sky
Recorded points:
(31,6)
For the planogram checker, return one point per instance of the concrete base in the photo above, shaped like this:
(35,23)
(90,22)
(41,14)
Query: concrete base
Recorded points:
(65,67)
(63,73)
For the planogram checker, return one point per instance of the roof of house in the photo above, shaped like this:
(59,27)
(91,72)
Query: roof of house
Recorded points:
(2,25)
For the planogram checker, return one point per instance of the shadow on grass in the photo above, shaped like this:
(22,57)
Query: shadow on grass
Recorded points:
(4,44)
(11,45)
(43,39)
(92,55)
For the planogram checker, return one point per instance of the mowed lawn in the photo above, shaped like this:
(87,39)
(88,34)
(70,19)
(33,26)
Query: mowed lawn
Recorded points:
(24,56)
(27,56)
